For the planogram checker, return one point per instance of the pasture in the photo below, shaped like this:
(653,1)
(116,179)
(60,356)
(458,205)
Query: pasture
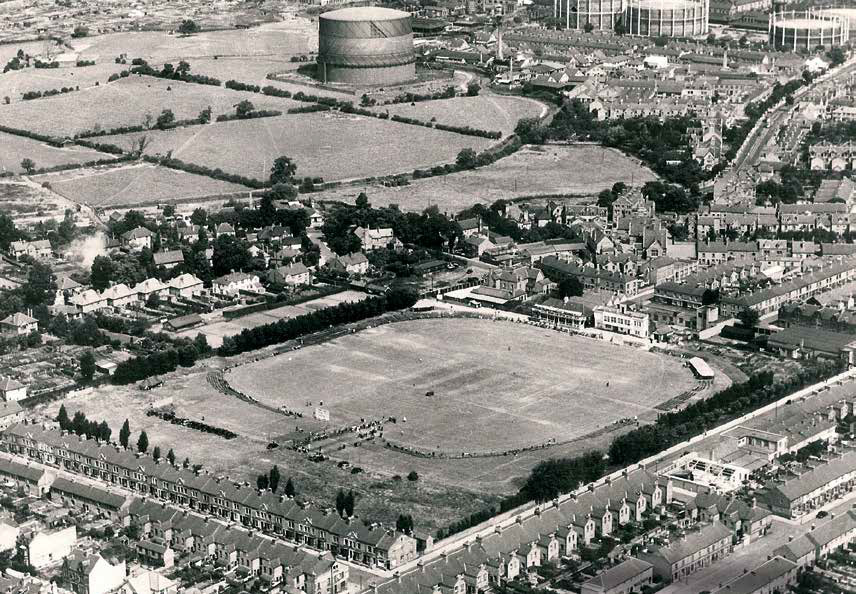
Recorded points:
(17,82)
(286,38)
(134,185)
(127,102)
(217,329)
(484,112)
(581,170)
(530,385)
(331,145)
(14,149)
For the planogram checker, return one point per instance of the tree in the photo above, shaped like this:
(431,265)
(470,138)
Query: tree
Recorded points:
(186,463)
(125,434)
(62,418)
(404,523)
(28,165)
(363,201)
(289,490)
(413,476)
(466,159)
(188,27)
(205,115)
(80,31)
(570,286)
(273,478)
(749,317)
(244,109)
(836,56)
(619,28)
(282,171)
(199,216)
(588,27)
(262,482)
(101,273)
(165,120)
(473,89)
(349,502)
(87,366)
(40,287)
(143,442)
(170,457)
(230,255)
(156,453)
(104,431)
(340,502)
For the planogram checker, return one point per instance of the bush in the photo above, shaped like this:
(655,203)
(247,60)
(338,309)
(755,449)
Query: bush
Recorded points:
(413,476)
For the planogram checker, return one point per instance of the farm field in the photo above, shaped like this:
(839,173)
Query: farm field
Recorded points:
(293,36)
(134,185)
(485,399)
(531,171)
(126,102)
(331,145)
(215,331)
(14,149)
(485,112)
(248,69)
(16,82)
(28,203)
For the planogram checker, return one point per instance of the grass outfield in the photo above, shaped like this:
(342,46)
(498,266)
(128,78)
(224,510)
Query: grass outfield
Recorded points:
(529,386)
(134,185)
(331,145)
(14,149)
(126,102)
(16,82)
(581,169)
(485,112)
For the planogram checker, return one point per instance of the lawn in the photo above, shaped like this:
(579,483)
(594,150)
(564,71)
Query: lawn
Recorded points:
(531,385)
(581,170)
(16,82)
(485,112)
(134,185)
(126,102)
(14,149)
(331,145)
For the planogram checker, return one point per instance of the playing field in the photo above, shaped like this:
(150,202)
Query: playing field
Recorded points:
(501,386)
(134,185)
(14,149)
(330,145)
(581,169)
(485,112)
(127,102)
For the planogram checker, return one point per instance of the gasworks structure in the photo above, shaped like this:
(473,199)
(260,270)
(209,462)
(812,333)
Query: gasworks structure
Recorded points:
(366,46)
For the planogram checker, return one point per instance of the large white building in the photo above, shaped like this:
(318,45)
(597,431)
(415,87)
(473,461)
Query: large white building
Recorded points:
(623,320)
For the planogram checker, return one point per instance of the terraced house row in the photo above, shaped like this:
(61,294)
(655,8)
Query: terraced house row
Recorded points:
(541,536)
(164,528)
(320,529)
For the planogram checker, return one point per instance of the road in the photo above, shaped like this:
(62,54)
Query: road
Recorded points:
(756,143)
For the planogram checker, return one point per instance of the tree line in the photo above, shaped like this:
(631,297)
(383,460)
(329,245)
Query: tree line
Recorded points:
(251,339)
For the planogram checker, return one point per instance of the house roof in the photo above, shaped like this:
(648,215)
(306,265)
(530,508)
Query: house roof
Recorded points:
(621,573)
(753,581)
(798,486)
(18,320)
(7,384)
(692,543)
(137,233)
(168,257)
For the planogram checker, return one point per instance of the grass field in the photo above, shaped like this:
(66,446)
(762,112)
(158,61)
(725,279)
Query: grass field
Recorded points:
(485,112)
(14,149)
(583,170)
(16,82)
(248,69)
(133,185)
(330,145)
(126,102)
(215,331)
(293,36)
(528,387)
